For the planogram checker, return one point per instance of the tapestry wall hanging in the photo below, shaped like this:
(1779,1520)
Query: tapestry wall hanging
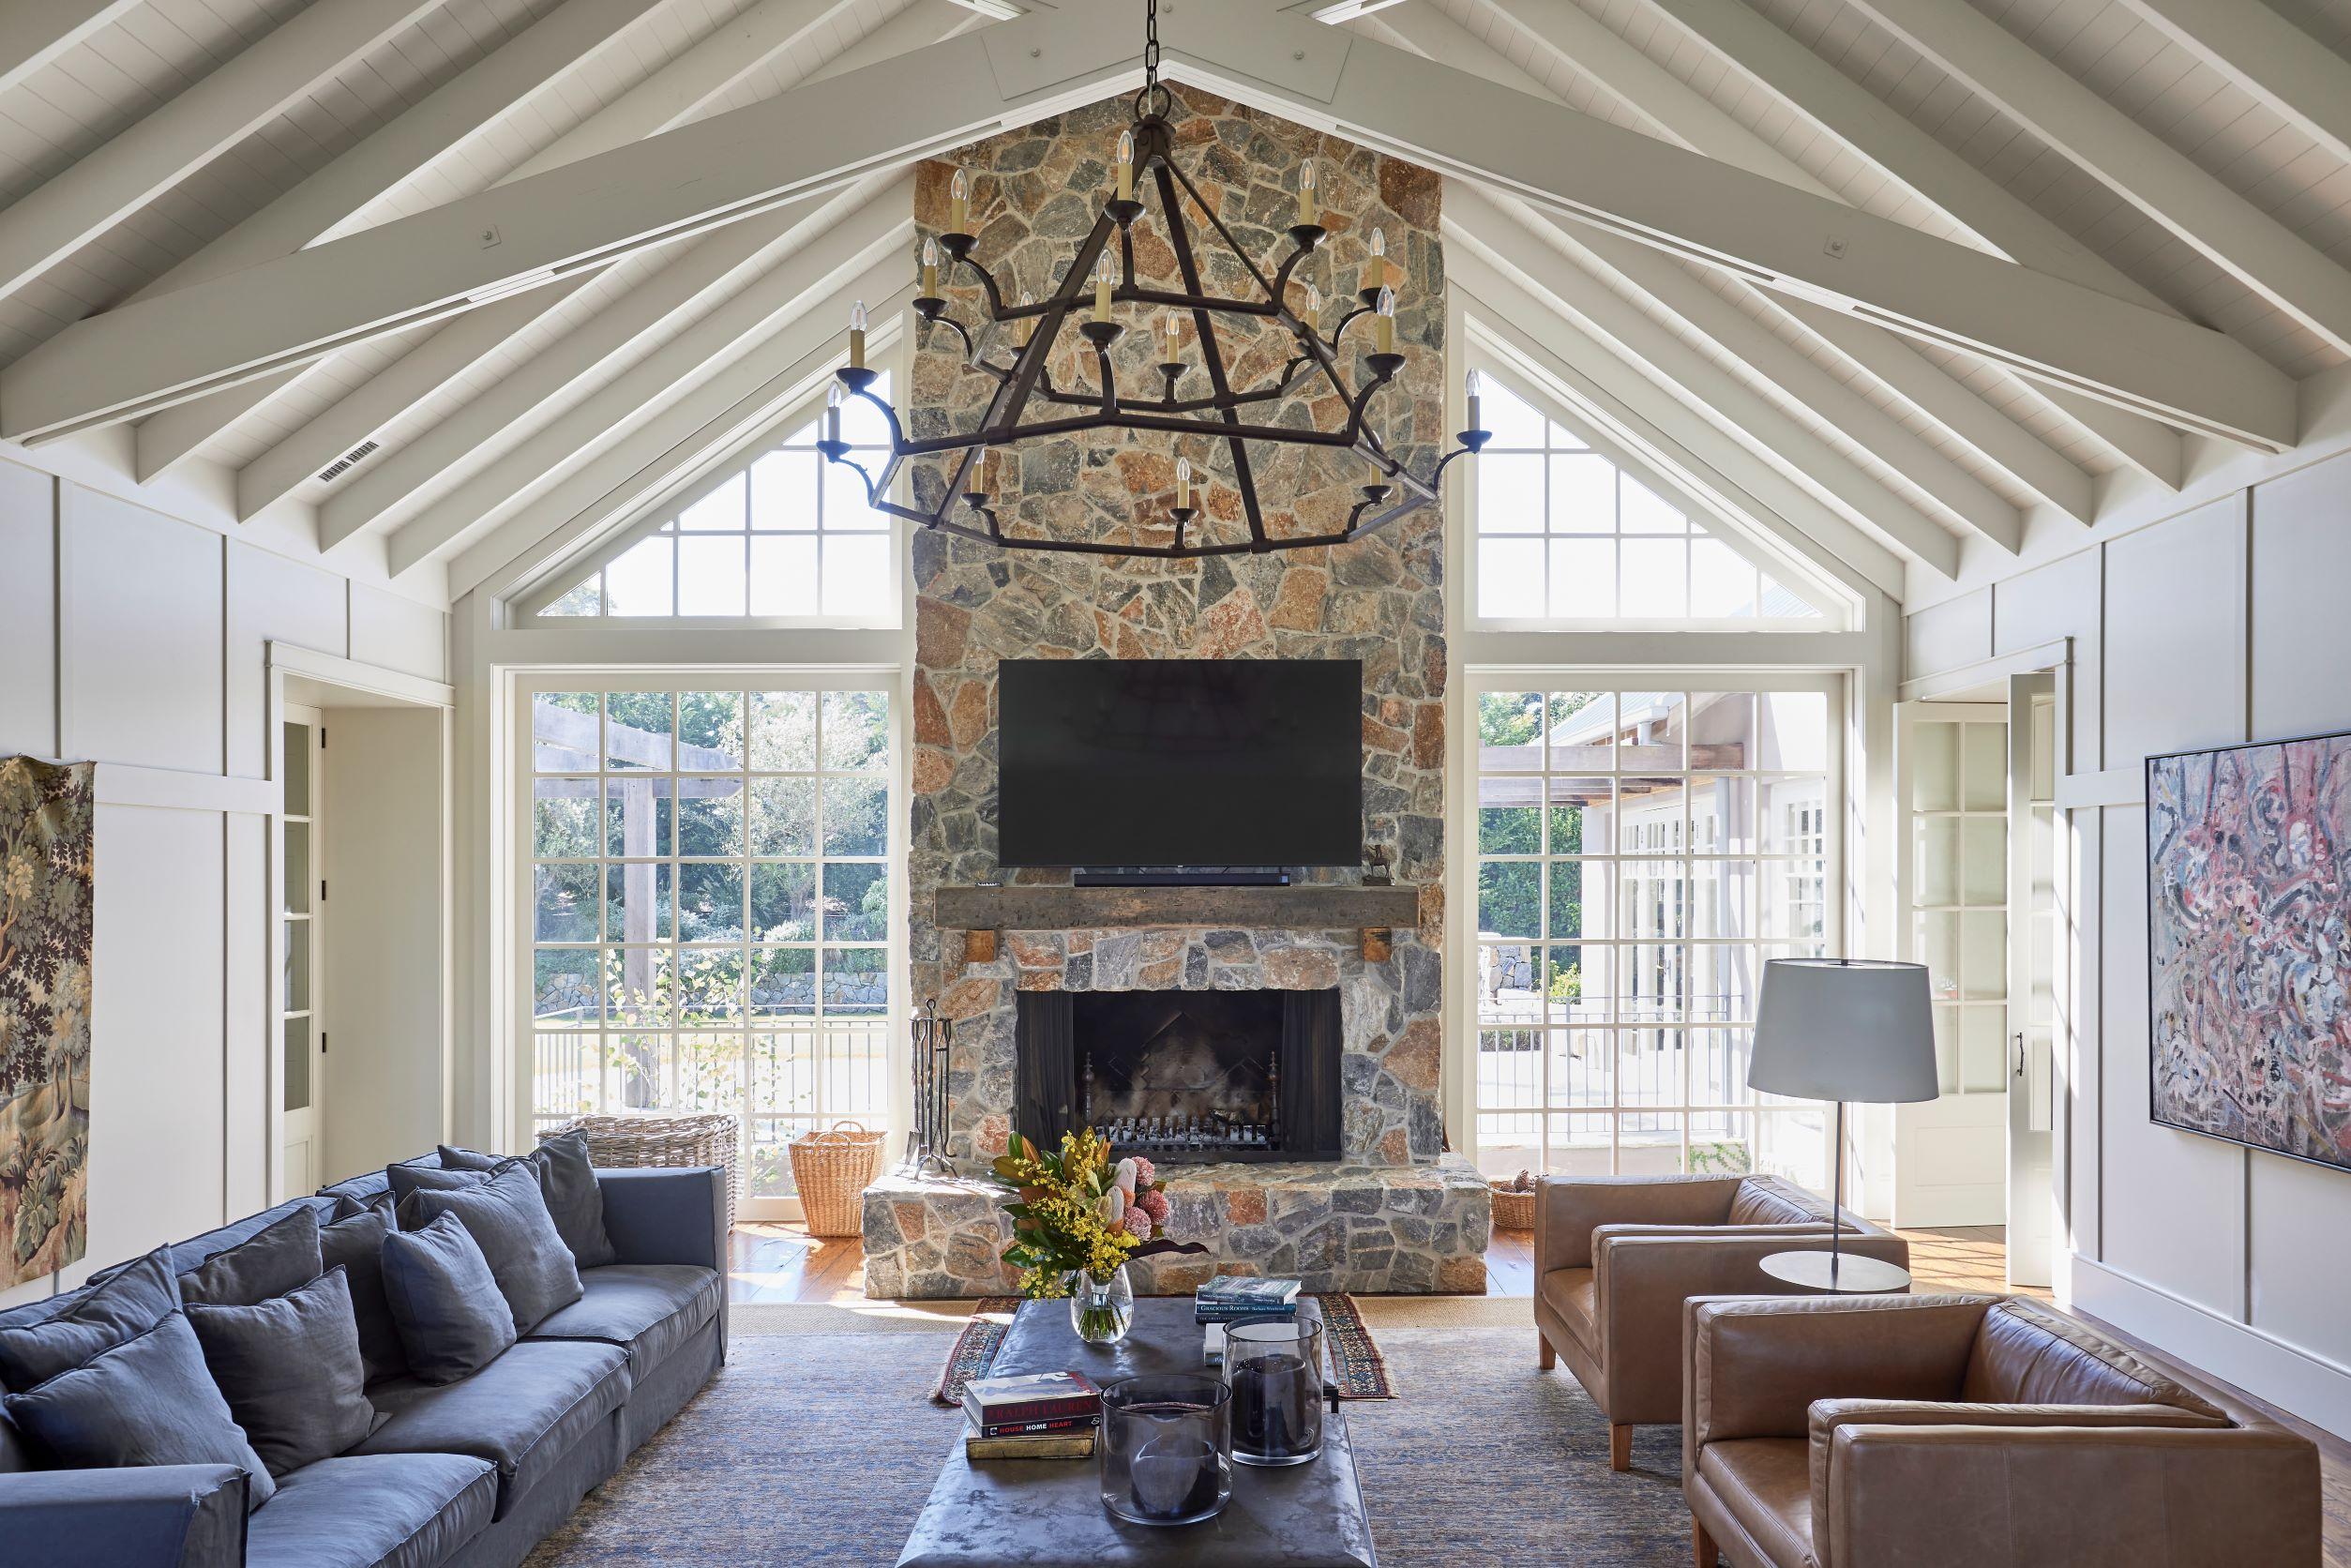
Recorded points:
(46,825)
(2248,945)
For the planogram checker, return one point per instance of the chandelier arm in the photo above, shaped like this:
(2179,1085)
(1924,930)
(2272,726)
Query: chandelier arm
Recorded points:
(988,283)
(941,318)
(1306,249)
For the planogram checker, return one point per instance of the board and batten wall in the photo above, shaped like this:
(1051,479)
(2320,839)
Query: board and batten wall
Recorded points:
(133,638)
(2226,622)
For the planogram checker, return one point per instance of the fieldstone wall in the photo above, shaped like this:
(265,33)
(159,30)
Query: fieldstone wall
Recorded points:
(1034,192)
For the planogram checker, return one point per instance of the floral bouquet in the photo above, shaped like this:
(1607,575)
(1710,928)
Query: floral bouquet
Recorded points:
(1077,1212)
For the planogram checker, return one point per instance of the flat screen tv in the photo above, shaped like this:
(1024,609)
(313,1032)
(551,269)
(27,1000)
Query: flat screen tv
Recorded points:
(1180,763)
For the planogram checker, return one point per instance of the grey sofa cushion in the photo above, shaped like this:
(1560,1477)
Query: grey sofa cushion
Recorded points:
(356,1246)
(374,1511)
(523,1413)
(147,1401)
(291,1371)
(131,1301)
(405,1181)
(649,1309)
(507,1215)
(445,1300)
(267,1265)
(568,1179)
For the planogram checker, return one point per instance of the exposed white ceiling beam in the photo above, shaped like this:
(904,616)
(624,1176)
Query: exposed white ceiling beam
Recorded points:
(1499,238)
(1874,129)
(330,197)
(589,213)
(2136,164)
(688,84)
(884,227)
(38,31)
(2254,47)
(100,190)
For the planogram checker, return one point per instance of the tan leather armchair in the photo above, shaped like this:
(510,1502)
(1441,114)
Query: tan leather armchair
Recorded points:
(1970,1432)
(1615,1255)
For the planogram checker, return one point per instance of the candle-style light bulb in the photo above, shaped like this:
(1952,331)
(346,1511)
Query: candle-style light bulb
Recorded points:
(1027,323)
(1314,300)
(1183,484)
(1126,165)
(1474,385)
(959,204)
(983,471)
(1384,322)
(930,269)
(1174,354)
(856,336)
(1305,192)
(1379,258)
(832,412)
(1105,273)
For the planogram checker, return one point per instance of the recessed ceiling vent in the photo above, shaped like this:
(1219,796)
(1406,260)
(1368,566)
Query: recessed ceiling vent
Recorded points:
(345,463)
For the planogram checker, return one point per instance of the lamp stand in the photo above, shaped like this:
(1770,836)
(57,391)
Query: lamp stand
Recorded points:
(1861,1275)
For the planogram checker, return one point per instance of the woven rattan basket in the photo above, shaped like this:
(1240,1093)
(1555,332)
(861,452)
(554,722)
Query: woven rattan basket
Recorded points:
(1514,1209)
(833,1170)
(621,1142)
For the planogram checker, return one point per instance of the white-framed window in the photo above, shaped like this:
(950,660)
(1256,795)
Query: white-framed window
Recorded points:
(1639,853)
(780,535)
(711,917)
(1564,536)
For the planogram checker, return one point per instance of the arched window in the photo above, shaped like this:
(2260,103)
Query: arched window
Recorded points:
(1565,535)
(780,535)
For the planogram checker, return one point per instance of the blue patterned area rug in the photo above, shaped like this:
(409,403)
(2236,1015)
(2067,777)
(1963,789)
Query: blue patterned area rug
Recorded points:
(816,1450)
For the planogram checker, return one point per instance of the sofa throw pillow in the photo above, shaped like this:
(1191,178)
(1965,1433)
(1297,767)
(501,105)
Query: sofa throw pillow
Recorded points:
(567,1181)
(147,1401)
(408,1180)
(291,1371)
(131,1301)
(445,1300)
(356,1246)
(507,1217)
(267,1264)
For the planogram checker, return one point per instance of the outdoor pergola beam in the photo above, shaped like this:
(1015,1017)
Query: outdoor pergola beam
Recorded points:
(2254,47)
(125,364)
(40,31)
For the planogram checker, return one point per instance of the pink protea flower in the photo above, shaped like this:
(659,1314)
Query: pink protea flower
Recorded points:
(1155,1203)
(1138,1223)
(1145,1173)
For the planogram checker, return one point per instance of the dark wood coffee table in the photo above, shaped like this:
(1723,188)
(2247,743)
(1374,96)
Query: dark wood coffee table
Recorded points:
(1048,1513)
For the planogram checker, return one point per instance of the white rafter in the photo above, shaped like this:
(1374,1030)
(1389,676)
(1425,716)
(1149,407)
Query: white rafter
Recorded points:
(821,135)
(99,190)
(2254,47)
(2136,164)
(40,31)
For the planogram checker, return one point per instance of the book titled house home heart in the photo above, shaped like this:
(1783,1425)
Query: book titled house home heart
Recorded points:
(1039,1415)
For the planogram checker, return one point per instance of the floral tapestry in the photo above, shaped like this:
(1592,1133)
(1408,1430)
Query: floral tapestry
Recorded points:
(46,828)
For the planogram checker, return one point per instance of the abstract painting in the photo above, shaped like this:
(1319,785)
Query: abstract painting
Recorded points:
(2248,945)
(46,829)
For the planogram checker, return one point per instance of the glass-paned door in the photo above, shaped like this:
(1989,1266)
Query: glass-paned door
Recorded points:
(2035,944)
(302,1040)
(710,889)
(1640,853)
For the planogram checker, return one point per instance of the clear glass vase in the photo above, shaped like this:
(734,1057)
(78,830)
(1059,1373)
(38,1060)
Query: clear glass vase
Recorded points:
(1100,1309)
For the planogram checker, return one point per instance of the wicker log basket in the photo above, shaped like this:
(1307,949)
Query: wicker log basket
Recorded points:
(621,1142)
(833,1170)
(1514,1203)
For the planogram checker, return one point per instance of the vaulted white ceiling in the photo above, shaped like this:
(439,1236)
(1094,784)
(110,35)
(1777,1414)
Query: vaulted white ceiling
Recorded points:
(2191,158)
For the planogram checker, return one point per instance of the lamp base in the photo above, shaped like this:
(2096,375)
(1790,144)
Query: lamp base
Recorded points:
(1846,1275)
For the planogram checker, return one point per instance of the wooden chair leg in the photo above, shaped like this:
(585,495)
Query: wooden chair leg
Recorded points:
(1547,1358)
(1620,1446)
(1702,1549)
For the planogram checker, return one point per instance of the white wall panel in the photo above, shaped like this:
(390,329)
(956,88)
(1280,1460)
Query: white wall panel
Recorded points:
(2060,600)
(28,672)
(1956,632)
(272,600)
(397,633)
(140,607)
(2175,635)
(2300,1271)
(2301,579)
(251,904)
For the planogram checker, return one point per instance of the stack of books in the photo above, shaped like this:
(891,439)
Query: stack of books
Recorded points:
(1229,1298)
(1043,1416)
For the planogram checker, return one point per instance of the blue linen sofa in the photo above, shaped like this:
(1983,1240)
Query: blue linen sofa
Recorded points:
(471,1475)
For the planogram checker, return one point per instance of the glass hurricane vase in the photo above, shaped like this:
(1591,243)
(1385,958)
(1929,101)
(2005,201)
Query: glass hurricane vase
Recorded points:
(1101,1309)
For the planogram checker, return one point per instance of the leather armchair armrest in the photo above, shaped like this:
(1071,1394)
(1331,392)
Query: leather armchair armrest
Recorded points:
(144,1516)
(2070,1496)
(667,1214)
(1568,1209)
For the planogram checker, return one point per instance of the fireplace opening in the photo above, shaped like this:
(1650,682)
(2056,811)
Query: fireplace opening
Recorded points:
(1184,1076)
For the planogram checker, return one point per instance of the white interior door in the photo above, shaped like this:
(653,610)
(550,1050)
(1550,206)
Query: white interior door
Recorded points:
(1952,767)
(2033,949)
(302,919)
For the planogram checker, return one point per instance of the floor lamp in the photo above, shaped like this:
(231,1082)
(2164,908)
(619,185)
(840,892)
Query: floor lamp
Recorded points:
(1839,1030)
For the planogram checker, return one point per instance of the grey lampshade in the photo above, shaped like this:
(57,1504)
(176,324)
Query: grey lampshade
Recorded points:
(1845,1029)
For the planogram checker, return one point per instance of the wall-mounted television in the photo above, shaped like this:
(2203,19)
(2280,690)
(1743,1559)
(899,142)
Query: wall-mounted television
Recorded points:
(1180,763)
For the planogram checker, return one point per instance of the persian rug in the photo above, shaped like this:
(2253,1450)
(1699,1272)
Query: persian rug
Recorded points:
(1357,1367)
(818,1450)
(47,816)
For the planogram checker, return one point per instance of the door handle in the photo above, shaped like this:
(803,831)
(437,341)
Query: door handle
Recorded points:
(2020,1055)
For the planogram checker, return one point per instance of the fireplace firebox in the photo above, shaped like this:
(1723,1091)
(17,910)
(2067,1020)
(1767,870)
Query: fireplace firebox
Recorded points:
(1183,1077)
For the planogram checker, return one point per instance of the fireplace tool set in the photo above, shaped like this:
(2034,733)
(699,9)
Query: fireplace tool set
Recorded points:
(926,1144)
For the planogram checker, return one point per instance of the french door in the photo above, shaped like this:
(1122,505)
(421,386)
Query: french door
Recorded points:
(302,922)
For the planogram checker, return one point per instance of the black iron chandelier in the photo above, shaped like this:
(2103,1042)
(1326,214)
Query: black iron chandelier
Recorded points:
(1014,347)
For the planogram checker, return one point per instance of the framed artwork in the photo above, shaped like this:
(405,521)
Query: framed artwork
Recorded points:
(46,829)
(2248,945)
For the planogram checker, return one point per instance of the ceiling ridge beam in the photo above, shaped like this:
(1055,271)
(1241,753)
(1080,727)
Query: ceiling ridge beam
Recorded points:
(695,79)
(1504,242)
(847,249)
(39,32)
(2168,186)
(2306,83)
(211,116)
